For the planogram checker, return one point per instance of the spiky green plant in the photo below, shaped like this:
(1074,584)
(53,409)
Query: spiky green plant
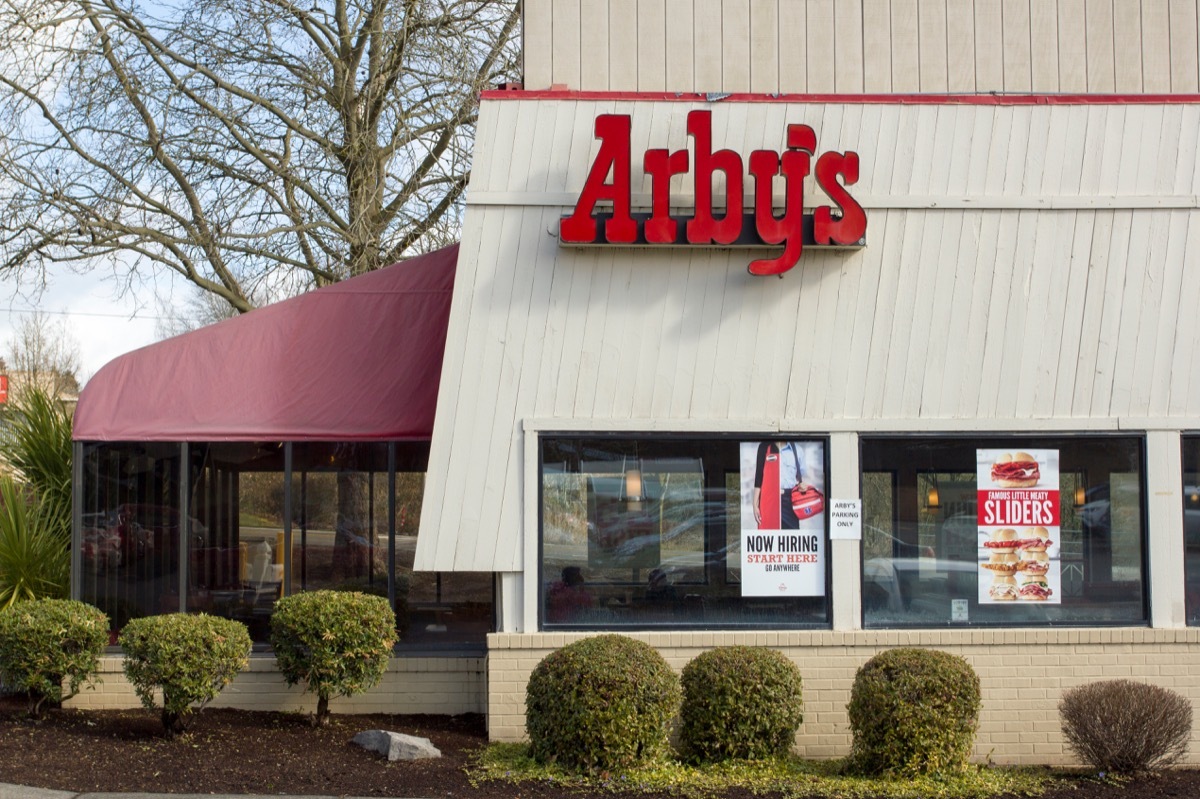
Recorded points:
(35,503)
(37,444)
(34,546)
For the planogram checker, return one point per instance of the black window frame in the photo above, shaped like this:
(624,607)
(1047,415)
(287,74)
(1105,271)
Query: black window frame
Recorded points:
(1020,440)
(732,438)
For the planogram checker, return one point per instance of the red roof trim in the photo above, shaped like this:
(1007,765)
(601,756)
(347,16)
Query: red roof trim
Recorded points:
(849,99)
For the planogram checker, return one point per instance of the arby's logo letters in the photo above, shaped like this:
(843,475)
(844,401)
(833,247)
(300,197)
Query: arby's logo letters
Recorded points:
(792,228)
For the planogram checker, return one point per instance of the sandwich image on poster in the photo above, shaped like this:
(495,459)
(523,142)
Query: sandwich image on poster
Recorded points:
(782,518)
(1019,523)
(1018,565)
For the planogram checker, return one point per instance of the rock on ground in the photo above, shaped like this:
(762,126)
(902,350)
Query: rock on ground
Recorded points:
(397,745)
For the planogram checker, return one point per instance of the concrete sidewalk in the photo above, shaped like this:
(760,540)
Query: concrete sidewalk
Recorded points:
(23,792)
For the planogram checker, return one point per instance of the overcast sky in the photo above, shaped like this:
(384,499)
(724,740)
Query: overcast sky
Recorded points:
(104,325)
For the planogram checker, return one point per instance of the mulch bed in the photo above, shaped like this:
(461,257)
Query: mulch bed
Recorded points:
(240,751)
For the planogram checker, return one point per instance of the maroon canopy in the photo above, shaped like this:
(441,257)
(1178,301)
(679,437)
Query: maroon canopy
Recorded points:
(359,360)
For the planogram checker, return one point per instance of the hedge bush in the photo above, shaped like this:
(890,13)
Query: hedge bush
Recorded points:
(190,658)
(337,643)
(46,643)
(601,703)
(1125,726)
(740,702)
(913,711)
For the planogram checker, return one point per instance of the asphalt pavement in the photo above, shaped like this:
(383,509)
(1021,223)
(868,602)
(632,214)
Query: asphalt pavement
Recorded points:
(23,792)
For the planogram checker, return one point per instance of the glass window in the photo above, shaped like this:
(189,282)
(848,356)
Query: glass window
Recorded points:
(340,532)
(130,534)
(645,533)
(236,541)
(1010,531)
(345,504)
(1191,524)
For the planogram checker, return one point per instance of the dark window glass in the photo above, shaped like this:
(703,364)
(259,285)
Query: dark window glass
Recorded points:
(1191,524)
(236,542)
(235,537)
(340,534)
(646,533)
(131,531)
(925,559)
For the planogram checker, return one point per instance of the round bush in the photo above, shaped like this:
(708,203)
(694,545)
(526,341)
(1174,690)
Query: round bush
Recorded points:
(45,643)
(1125,726)
(190,658)
(601,703)
(740,702)
(335,642)
(913,711)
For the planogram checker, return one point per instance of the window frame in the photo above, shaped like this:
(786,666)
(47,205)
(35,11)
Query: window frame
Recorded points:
(1191,605)
(1014,440)
(734,438)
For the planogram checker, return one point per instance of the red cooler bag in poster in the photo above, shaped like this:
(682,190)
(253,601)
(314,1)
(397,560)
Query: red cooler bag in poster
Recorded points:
(807,503)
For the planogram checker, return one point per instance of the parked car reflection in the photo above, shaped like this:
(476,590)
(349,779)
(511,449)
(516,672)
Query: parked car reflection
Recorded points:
(131,533)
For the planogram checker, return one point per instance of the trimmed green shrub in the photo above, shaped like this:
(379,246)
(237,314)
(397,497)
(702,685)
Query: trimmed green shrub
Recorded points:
(47,643)
(190,658)
(601,703)
(913,711)
(740,702)
(1125,726)
(337,643)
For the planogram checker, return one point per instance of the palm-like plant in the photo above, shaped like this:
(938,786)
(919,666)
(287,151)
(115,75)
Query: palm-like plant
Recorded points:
(34,546)
(38,445)
(35,518)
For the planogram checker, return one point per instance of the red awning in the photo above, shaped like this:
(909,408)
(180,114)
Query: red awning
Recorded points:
(356,361)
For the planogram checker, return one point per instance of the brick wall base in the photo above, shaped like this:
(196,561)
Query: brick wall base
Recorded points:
(443,686)
(1023,674)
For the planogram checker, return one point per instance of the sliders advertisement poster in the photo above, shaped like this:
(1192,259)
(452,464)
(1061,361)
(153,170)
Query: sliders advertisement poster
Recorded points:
(783,518)
(1018,526)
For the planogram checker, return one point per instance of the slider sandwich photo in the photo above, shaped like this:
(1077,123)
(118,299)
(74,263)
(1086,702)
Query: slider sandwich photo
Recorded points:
(1016,470)
(1012,553)
(1002,563)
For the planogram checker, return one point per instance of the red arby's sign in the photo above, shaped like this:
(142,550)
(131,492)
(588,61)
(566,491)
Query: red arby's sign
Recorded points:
(734,226)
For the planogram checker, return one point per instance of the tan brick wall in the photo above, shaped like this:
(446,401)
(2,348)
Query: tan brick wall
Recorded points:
(445,686)
(1023,674)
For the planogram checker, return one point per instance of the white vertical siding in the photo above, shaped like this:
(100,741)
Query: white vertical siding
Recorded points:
(764,46)
(1043,47)
(680,47)
(1182,17)
(850,46)
(622,45)
(594,61)
(1022,262)
(793,48)
(877,46)
(906,46)
(735,45)
(932,45)
(819,28)
(707,55)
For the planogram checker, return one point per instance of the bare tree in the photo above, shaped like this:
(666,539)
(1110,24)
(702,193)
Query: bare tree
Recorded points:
(200,308)
(256,148)
(43,354)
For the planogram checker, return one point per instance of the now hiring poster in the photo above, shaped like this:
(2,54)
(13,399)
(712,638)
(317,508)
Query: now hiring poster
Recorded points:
(783,518)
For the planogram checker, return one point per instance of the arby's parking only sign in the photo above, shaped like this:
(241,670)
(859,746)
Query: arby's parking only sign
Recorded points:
(844,224)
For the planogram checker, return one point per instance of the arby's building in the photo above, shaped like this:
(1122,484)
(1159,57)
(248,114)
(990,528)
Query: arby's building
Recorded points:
(833,327)
(825,325)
